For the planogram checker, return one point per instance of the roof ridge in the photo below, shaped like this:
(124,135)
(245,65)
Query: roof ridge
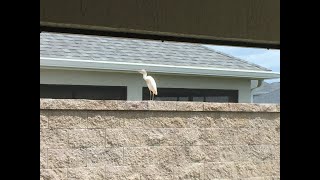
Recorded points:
(238,59)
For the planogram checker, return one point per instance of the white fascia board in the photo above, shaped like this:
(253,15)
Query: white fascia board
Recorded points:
(61,63)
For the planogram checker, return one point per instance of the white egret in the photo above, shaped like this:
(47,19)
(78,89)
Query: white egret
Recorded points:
(151,83)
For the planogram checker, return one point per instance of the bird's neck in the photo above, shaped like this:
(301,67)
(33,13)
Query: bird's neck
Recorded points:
(145,76)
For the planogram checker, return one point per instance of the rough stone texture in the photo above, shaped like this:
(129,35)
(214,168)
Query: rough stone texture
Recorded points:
(139,156)
(78,104)
(81,138)
(122,173)
(44,120)
(86,139)
(189,171)
(167,120)
(67,119)
(53,138)
(62,158)
(103,119)
(241,107)
(43,158)
(132,105)
(53,174)
(58,158)
(170,155)
(189,106)
(88,173)
(162,105)
(220,170)
(82,104)
(104,156)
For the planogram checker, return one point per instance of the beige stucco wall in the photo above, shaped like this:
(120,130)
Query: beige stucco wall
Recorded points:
(87,139)
(134,81)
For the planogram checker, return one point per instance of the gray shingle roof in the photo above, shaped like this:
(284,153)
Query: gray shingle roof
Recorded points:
(86,47)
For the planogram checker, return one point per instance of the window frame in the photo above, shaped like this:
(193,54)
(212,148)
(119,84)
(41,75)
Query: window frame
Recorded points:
(77,91)
(232,94)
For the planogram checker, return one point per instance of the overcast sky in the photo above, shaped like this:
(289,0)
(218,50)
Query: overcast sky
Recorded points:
(263,57)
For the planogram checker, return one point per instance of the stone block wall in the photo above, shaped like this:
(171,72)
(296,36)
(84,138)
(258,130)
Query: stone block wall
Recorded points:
(140,140)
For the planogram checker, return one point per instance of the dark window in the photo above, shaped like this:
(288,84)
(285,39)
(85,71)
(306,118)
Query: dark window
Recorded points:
(83,92)
(200,95)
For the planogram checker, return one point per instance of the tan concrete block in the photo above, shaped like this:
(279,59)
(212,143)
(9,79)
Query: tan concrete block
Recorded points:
(241,107)
(58,158)
(162,105)
(151,137)
(269,168)
(139,155)
(77,157)
(104,119)
(215,106)
(212,153)
(169,137)
(53,174)
(219,170)
(115,138)
(89,173)
(67,119)
(275,151)
(155,172)
(43,158)
(257,178)
(247,169)
(170,155)
(209,136)
(44,119)
(135,119)
(195,154)
(194,171)
(189,137)
(132,105)
(231,153)
(233,119)
(260,153)
(62,158)
(189,106)
(130,137)
(202,119)
(86,104)
(104,156)
(81,138)
(122,173)
(157,177)
(261,120)
(253,136)
(53,138)
(167,120)
(78,104)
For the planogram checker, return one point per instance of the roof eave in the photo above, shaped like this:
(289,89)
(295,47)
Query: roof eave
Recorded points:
(60,63)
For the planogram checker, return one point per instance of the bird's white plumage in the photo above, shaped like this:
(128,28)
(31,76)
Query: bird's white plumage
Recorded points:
(151,83)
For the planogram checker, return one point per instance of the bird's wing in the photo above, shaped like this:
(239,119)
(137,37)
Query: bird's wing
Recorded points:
(156,79)
(152,85)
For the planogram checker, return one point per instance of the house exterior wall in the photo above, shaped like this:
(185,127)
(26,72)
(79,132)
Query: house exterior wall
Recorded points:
(90,139)
(134,81)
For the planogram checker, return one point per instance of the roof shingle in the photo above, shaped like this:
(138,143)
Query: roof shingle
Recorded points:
(97,48)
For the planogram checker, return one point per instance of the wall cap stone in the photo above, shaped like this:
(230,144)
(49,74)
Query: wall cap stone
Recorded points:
(84,104)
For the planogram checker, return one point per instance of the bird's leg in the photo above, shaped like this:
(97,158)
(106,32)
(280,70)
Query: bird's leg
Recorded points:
(150,95)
